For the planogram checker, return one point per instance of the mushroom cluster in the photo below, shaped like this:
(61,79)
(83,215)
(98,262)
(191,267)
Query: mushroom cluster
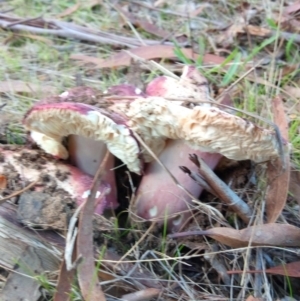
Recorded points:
(171,119)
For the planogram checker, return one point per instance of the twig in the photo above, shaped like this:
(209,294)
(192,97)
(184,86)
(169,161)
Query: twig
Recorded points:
(3,200)
(198,179)
(72,31)
(215,260)
(70,240)
(143,295)
(223,191)
(24,21)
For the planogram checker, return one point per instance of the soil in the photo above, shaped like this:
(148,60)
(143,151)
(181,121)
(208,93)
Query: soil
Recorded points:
(45,205)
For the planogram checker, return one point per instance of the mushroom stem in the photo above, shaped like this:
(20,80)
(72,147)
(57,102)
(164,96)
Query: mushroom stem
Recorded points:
(159,197)
(87,154)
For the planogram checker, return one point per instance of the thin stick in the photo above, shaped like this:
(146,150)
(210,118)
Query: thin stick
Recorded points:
(198,179)
(3,200)
(70,240)
(227,195)
(24,21)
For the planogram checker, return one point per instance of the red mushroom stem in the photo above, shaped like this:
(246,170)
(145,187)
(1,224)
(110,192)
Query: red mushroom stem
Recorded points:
(158,195)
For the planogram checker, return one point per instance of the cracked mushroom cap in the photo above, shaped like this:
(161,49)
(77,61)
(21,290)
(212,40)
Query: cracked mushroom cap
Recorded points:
(205,128)
(52,122)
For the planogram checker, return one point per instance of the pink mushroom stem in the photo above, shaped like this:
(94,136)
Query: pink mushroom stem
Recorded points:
(158,195)
(87,155)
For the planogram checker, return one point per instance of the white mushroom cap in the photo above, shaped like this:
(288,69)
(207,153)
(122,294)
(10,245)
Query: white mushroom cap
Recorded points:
(49,145)
(205,128)
(58,120)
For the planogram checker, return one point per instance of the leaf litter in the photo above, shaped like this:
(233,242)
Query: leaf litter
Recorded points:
(278,172)
(278,234)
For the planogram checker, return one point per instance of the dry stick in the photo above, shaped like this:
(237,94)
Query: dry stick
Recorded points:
(68,30)
(224,192)
(3,200)
(70,240)
(198,179)
(143,295)
(24,21)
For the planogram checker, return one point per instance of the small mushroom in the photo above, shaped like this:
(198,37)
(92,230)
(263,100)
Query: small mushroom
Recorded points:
(83,152)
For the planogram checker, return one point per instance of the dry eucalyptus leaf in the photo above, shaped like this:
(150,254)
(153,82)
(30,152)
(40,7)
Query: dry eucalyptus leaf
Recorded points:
(145,52)
(278,179)
(290,270)
(280,235)
(20,87)
(3,182)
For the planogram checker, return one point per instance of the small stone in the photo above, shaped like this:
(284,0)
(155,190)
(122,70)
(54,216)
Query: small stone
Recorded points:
(42,210)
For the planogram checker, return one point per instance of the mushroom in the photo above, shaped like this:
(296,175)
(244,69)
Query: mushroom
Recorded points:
(158,196)
(87,153)
(157,121)
(83,151)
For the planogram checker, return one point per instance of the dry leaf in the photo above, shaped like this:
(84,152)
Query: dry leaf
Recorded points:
(69,11)
(3,182)
(260,235)
(142,295)
(87,278)
(290,269)
(295,91)
(293,8)
(19,86)
(65,282)
(278,179)
(294,187)
(145,52)
(147,26)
